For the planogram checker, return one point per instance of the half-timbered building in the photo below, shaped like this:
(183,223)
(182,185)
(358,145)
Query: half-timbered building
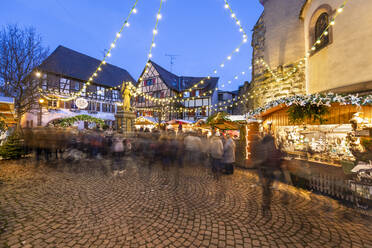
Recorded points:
(160,83)
(65,72)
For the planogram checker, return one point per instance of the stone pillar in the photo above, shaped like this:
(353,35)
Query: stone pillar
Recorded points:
(125,121)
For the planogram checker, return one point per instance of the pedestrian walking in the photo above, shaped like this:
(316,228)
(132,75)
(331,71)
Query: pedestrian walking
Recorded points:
(216,153)
(268,169)
(229,155)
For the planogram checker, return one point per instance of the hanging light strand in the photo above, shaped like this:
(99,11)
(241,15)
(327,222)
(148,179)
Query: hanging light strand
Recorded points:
(154,33)
(103,61)
(308,53)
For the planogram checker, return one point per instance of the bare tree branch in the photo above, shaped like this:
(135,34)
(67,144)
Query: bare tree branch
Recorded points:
(21,51)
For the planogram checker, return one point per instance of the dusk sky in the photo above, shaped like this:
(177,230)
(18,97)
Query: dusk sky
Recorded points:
(201,32)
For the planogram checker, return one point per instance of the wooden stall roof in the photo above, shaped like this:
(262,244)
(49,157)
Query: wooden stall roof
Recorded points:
(272,110)
(7,109)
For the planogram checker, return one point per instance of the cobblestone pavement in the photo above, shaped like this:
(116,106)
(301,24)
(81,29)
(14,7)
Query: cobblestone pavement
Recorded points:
(49,207)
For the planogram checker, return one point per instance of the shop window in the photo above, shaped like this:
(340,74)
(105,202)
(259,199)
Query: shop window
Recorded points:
(52,103)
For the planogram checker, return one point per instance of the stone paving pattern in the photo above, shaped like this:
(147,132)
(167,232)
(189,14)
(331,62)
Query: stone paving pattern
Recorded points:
(186,207)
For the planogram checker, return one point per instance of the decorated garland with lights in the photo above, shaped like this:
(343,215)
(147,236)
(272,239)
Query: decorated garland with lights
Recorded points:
(316,99)
(67,122)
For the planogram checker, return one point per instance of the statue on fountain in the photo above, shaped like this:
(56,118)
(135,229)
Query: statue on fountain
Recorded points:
(126,95)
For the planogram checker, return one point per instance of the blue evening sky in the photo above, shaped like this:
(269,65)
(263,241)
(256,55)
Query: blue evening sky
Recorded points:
(201,32)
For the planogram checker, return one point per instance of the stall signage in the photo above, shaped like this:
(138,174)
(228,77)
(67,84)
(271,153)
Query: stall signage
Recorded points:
(81,103)
(362,133)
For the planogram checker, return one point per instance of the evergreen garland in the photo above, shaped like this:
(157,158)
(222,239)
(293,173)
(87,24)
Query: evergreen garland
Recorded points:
(316,99)
(68,122)
(297,114)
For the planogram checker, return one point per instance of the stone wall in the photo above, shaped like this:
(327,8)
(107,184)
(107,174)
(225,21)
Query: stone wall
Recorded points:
(270,84)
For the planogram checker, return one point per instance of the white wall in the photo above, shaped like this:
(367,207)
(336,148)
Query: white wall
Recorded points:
(348,59)
(284,40)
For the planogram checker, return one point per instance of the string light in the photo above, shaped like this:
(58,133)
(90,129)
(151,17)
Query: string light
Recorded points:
(108,54)
(313,47)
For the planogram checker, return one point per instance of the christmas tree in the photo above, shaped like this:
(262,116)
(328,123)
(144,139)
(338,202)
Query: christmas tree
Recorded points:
(12,148)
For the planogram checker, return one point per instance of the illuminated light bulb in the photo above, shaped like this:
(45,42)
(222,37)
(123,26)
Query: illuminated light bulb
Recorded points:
(318,42)
(159,16)
(250,68)
(223,85)
(226,6)
(222,65)
(95,74)
(153,45)
(209,77)
(104,62)
(134,11)
(238,23)
(313,48)
(325,33)
(237,50)
(245,40)
(229,82)
(202,82)
(112,45)
(240,30)
(332,22)
(233,15)
(229,57)
(340,9)
(127,24)
(118,35)
(150,55)
(155,31)
(243,72)
(99,68)
(109,55)
(236,77)
(38,74)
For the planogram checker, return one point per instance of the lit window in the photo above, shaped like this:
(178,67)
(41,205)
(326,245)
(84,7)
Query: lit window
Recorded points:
(100,92)
(64,85)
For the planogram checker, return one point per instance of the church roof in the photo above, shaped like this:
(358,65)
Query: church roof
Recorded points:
(182,83)
(70,63)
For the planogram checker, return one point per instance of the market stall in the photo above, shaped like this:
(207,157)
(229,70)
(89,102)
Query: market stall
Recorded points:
(7,112)
(145,122)
(178,124)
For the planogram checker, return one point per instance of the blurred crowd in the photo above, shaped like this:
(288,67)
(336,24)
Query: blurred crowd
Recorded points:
(167,148)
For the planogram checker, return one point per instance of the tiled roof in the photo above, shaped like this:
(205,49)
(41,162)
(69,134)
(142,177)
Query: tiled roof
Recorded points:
(70,63)
(182,83)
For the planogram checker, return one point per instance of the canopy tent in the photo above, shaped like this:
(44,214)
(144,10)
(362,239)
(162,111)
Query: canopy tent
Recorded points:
(7,110)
